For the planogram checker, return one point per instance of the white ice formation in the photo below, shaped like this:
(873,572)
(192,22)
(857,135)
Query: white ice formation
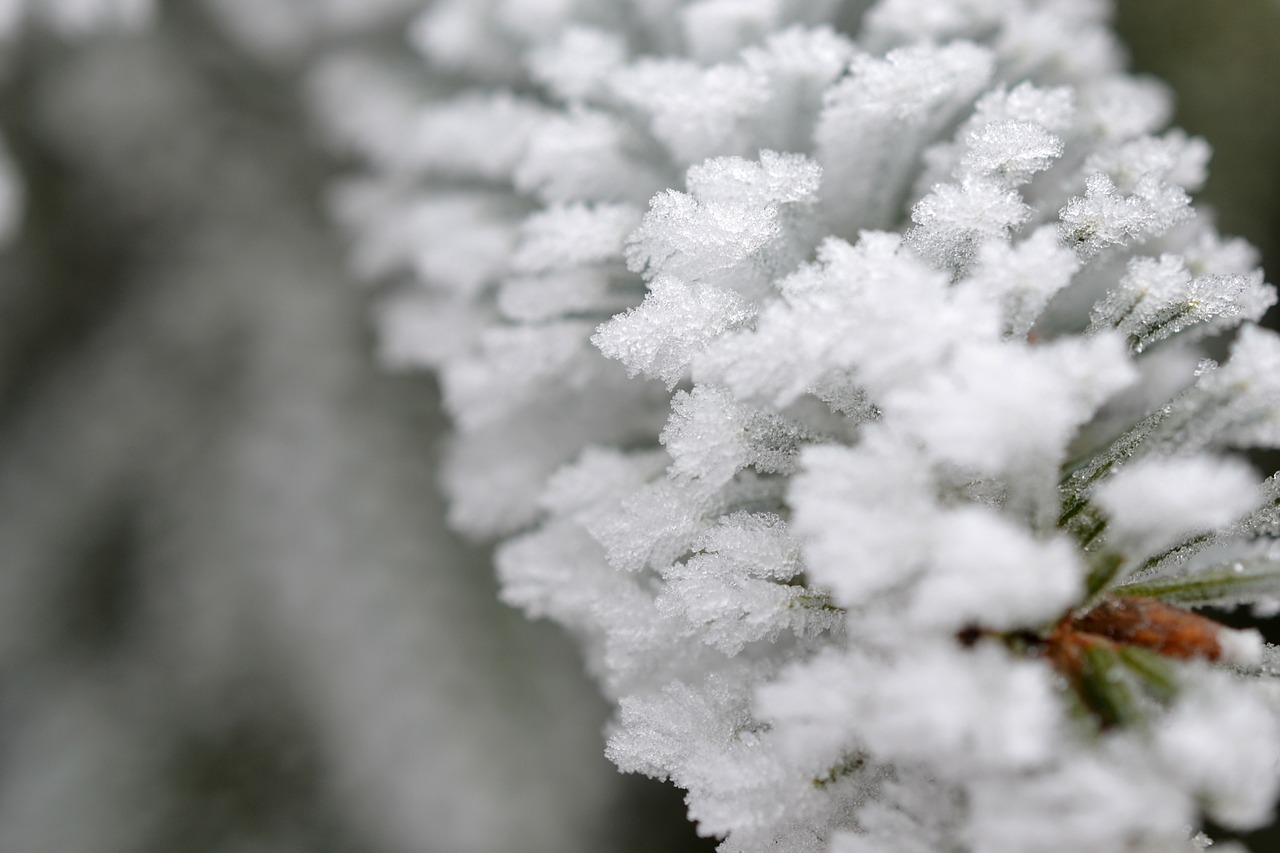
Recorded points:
(831,373)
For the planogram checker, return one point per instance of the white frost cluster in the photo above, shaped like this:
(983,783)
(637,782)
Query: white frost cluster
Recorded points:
(831,373)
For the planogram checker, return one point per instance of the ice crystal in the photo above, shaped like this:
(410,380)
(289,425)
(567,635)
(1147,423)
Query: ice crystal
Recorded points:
(925,291)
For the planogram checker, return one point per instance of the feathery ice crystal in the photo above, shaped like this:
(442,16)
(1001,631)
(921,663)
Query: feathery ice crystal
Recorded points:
(834,374)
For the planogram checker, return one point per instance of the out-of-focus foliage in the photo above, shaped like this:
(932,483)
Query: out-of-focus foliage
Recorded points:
(231,617)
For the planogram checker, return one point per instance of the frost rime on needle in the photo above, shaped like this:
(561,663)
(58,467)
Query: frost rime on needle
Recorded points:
(830,373)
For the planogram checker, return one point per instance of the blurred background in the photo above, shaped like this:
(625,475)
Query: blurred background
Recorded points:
(231,616)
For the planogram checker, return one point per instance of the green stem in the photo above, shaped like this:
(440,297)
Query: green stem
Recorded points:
(1153,670)
(1218,585)
(1140,341)
(848,765)
(1104,688)
(1103,569)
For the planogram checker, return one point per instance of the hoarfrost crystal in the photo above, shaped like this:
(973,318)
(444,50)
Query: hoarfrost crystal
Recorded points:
(831,373)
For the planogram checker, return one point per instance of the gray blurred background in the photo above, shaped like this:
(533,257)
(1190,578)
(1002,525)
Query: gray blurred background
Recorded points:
(231,617)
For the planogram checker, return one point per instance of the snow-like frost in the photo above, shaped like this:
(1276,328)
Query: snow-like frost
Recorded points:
(926,289)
